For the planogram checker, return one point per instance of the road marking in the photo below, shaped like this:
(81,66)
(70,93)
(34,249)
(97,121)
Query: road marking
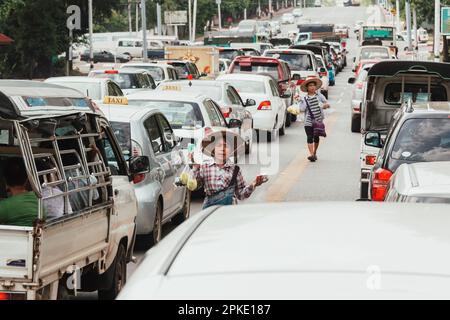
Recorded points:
(287,179)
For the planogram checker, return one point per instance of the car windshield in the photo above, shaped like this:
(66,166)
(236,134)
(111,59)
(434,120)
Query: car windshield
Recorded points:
(122,131)
(423,140)
(259,68)
(373,53)
(92,90)
(156,72)
(181,115)
(124,80)
(244,86)
(297,62)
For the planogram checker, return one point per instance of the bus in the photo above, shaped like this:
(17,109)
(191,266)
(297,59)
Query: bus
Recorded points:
(385,33)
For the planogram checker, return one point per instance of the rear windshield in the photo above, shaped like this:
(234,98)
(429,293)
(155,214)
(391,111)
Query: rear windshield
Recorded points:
(242,86)
(181,115)
(122,131)
(182,70)
(56,102)
(229,54)
(259,68)
(124,80)
(375,53)
(297,62)
(423,140)
(320,63)
(416,92)
(156,72)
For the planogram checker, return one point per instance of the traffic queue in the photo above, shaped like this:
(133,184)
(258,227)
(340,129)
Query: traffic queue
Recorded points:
(101,155)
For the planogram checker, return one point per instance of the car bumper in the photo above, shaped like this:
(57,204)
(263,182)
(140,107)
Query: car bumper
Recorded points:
(264,120)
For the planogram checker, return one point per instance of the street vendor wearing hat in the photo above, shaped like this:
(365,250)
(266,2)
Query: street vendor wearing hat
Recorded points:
(221,179)
(313,105)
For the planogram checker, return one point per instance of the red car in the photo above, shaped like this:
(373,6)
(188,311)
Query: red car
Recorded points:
(277,69)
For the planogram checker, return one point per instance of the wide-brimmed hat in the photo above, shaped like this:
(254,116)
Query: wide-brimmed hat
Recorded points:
(304,85)
(233,140)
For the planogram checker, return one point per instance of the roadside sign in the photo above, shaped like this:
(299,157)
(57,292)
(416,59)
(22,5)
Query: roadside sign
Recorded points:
(219,2)
(445,21)
(175,17)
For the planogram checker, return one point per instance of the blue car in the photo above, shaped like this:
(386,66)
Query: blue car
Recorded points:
(331,75)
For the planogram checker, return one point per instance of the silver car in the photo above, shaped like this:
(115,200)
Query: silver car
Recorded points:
(146,132)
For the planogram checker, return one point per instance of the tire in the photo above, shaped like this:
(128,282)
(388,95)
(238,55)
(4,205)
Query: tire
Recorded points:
(119,276)
(356,123)
(185,212)
(282,130)
(157,225)
(293,118)
(288,120)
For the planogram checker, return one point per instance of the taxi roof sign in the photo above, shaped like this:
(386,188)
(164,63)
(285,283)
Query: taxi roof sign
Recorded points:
(115,100)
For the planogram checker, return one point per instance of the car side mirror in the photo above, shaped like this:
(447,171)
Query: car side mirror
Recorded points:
(234,123)
(351,80)
(250,103)
(373,139)
(139,165)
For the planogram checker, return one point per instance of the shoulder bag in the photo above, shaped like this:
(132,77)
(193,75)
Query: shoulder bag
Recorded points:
(318,126)
(224,197)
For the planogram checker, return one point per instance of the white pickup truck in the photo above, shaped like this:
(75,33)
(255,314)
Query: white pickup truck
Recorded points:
(84,248)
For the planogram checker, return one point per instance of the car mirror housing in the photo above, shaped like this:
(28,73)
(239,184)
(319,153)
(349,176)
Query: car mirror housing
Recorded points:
(250,103)
(139,165)
(234,123)
(373,139)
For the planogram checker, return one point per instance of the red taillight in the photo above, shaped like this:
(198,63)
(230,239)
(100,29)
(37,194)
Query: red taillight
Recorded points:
(5,296)
(111,71)
(265,105)
(371,159)
(226,112)
(138,178)
(190,77)
(380,181)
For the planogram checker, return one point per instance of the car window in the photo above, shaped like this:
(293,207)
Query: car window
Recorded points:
(233,96)
(213,114)
(418,92)
(423,140)
(258,68)
(274,89)
(114,90)
(154,134)
(112,155)
(166,129)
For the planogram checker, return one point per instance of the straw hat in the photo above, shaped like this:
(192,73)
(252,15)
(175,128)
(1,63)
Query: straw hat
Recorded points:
(211,139)
(304,85)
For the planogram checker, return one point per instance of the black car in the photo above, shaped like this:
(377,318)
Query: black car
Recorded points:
(419,132)
(105,56)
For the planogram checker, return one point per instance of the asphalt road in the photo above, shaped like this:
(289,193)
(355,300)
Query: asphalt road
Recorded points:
(335,176)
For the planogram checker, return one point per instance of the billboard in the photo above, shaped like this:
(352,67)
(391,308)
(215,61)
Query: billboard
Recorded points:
(175,17)
(445,21)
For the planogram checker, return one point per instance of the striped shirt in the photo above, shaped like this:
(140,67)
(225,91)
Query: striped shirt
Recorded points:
(315,106)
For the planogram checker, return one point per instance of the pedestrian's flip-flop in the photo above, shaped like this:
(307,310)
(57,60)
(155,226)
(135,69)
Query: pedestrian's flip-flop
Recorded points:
(312,158)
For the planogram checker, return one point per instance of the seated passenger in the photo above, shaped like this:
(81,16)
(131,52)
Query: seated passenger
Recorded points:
(21,208)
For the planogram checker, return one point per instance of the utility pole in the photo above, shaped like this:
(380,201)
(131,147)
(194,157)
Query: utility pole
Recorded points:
(130,24)
(245,14)
(259,8)
(91,31)
(408,23)
(137,19)
(144,30)
(397,17)
(416,42)
(437,27)
(194,21)
(219,13)
(190,19)
(158,18)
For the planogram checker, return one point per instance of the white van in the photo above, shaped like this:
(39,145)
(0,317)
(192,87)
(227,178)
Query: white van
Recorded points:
(133,46)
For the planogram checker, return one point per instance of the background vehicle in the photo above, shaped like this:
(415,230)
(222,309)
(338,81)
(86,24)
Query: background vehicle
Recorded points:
(357,96)
(423,182)
(130,80)
(318,30)
(419,132)
(342,30)
(94,242)
(323,74)
(259,46)
(389,84)
(105,56)
(206,58)
(225,95)
(385,33)
(370,53)
(184,69)
(287,18)
(230,53)
(146,132)
(297,12)
(275,27)
(263,101)
(160,72)
(302,38)
(301,245)
(95,88)
(248,26)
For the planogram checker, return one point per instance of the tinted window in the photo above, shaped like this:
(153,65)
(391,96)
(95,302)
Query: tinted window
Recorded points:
(125,80)
(122,131)
(214,114)
(423,140)
(168,135)
(416,92)
(114,90)
(248,86)
(260,68)
(374,53)
(233,96)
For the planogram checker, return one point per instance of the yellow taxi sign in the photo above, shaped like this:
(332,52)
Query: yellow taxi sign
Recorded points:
(171,87)
(115,100)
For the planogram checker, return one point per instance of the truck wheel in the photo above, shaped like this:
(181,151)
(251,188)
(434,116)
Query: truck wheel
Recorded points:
(288,119)
(185,212)
(119,276)
(356,123)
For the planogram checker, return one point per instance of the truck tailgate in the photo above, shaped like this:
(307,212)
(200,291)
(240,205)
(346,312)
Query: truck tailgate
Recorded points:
(16,252)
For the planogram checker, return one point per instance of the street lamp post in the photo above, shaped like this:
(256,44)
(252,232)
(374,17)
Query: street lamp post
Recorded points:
(91,31)
(144,31)
(408,23)
(219,13)
(437,26)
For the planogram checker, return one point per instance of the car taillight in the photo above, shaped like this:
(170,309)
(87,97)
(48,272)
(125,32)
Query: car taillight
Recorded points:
(138,178)
(136,149)
(226,112)
(5,296)
(370,159)
(380,182)
(265,105)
